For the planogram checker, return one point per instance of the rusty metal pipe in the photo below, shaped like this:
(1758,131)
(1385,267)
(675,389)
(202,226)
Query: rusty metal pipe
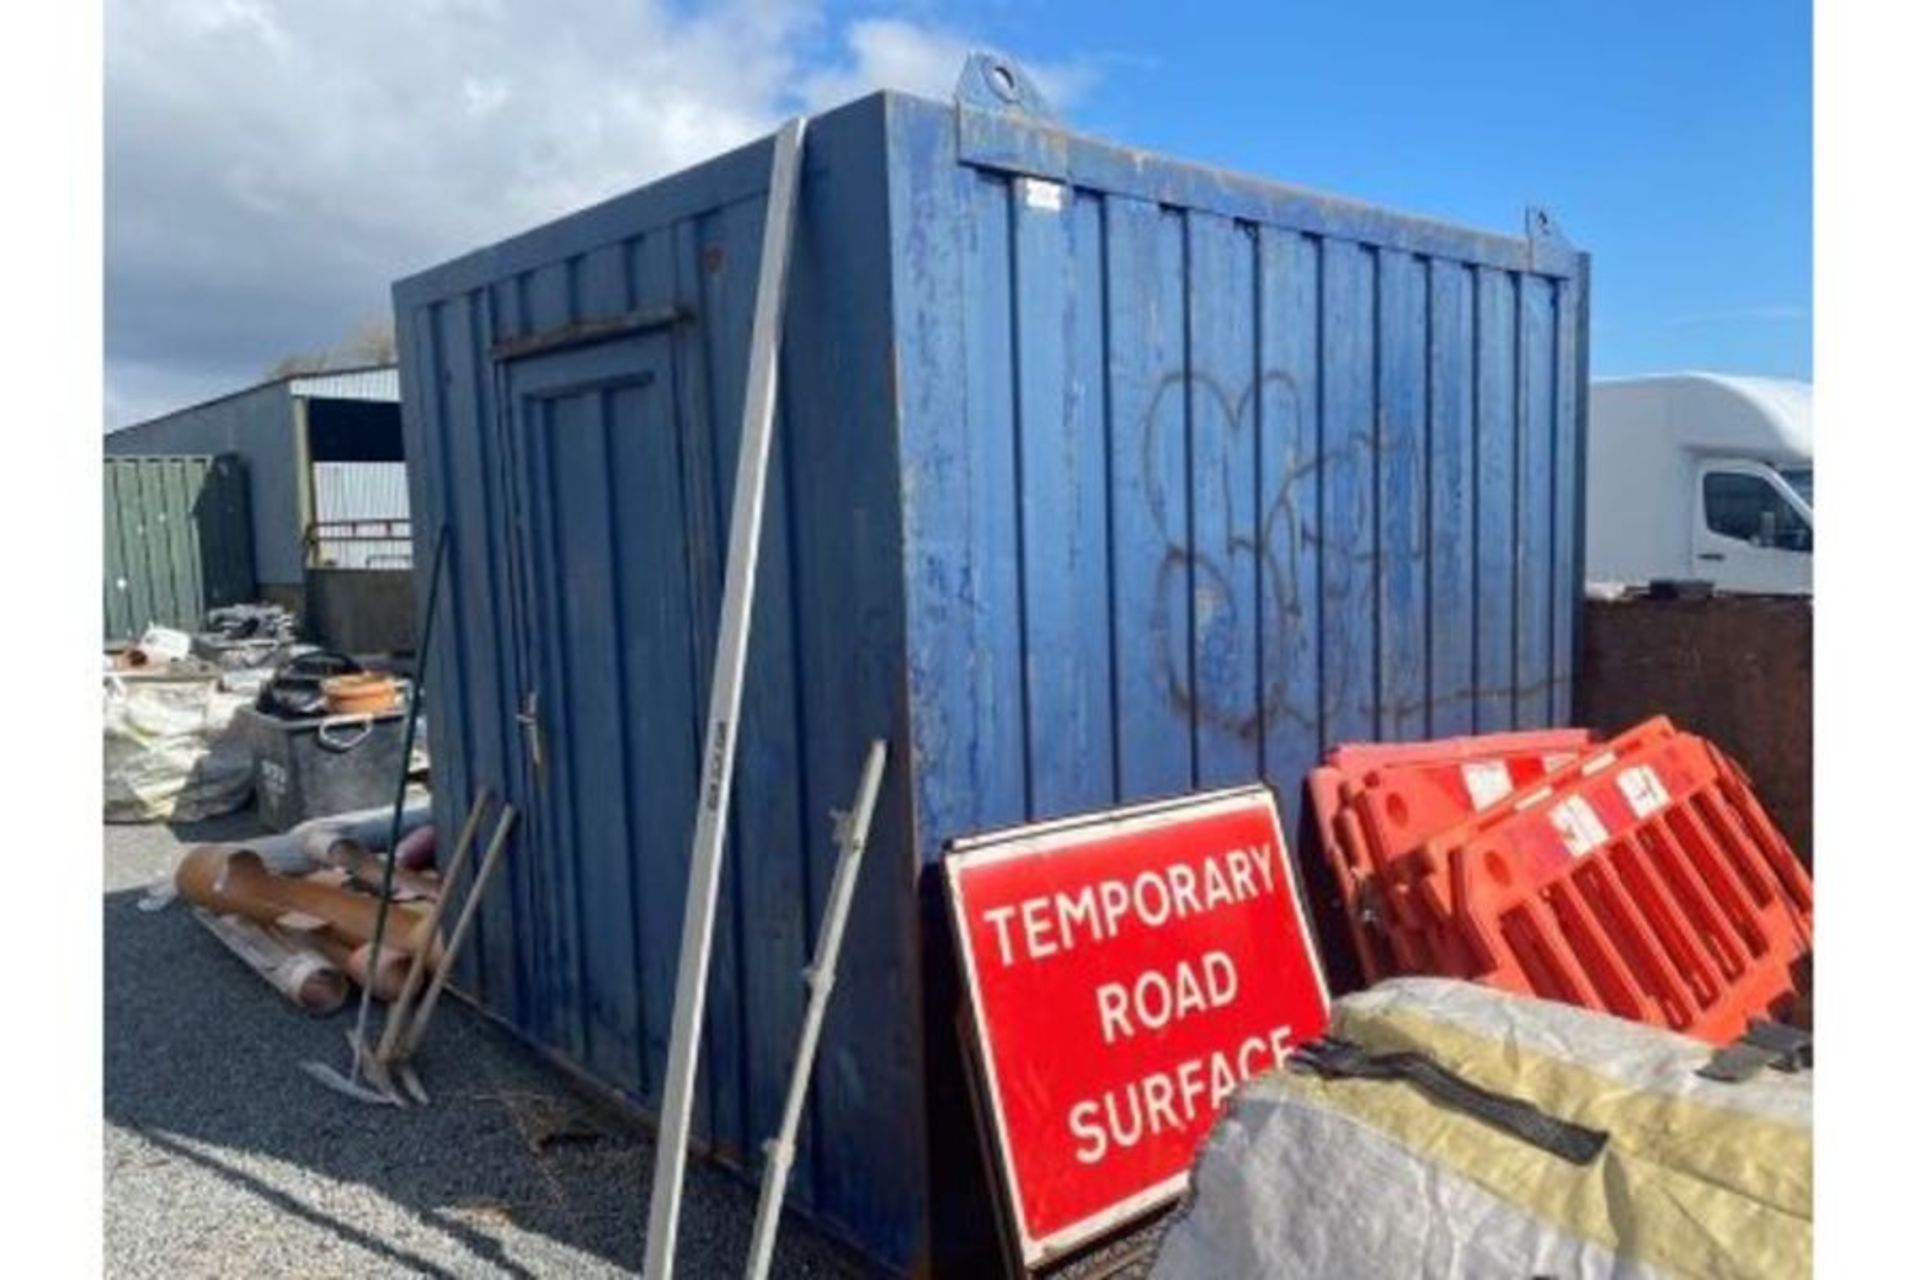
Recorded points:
(292,850)
(327,847)
(238,882)
(306,977)
(384,979)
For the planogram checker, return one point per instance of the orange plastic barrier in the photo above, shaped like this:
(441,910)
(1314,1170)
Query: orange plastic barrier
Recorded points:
(1375,803)
(1645,879)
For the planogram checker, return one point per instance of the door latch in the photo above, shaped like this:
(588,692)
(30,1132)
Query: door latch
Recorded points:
(529,718)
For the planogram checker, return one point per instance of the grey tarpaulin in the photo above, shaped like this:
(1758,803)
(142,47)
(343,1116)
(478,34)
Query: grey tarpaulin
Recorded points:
(1308,1177)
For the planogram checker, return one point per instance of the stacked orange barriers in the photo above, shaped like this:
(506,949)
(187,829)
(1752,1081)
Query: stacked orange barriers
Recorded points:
(1638,876)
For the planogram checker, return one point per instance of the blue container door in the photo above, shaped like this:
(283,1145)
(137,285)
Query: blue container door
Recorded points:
(609,575)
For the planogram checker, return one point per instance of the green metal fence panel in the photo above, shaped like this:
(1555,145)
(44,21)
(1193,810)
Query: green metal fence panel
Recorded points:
(178,541)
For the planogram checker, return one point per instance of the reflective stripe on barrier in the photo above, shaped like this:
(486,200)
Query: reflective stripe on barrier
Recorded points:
(1374,803)
(1645,880)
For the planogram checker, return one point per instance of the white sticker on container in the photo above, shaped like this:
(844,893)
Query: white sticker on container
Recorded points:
(1487,782)
(1643,789)
(1041,194)
(1580,828)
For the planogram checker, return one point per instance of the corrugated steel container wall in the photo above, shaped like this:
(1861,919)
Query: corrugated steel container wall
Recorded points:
(177,542)
(586,538)
(1159,479)
(1205,474)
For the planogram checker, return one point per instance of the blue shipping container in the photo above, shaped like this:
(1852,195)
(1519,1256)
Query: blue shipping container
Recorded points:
(1098,477)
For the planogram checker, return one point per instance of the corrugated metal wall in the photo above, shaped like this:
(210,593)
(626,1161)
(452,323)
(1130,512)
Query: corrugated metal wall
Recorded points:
(177,542)
(585,484)
(377,383)
(1205,475)
(374,496)
(256,425)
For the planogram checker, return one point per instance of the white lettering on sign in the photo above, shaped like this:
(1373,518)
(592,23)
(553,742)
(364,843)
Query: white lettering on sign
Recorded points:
(1643,789)
(1153,999)
(1579,826)
(1167,1101)
(1038,927)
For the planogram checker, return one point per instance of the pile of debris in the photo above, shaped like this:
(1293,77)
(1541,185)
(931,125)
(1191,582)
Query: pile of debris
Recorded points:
(318,909)
(170,751)
(197,725)
(309,931)
(250,622)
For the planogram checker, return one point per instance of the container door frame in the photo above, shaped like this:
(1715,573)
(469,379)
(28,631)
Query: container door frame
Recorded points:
(534,373)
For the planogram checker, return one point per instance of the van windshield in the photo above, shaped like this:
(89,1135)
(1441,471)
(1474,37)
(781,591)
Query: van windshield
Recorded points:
(1801,481)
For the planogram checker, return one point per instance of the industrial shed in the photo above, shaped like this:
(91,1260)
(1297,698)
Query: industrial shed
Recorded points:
(326,473)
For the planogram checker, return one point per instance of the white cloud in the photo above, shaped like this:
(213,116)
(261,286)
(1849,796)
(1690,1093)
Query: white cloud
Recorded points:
(271,166)
(924,60)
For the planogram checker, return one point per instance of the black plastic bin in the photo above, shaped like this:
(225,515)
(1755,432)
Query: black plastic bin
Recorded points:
(329,764)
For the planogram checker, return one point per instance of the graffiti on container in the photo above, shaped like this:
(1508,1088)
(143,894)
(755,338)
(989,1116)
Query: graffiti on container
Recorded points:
(1281,547)
(1277,541)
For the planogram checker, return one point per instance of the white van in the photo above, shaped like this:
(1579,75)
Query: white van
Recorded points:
(1701,475)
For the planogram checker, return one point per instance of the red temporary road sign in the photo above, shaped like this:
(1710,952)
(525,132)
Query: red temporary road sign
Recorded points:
(1126,971)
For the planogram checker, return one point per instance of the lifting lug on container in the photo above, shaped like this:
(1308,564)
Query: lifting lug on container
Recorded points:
(990,82)
(1549,250)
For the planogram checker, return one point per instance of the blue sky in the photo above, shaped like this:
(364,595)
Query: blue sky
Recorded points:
(273,165)
(1673,140)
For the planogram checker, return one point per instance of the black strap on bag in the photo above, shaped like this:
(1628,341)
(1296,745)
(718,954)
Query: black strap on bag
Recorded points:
(296,690)
(1343,1059)
(1765,1044)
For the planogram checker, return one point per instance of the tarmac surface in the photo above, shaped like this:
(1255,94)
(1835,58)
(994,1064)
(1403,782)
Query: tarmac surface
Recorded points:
(224,1159)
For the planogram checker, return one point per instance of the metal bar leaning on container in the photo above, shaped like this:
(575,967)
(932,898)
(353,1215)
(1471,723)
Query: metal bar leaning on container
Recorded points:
(416,1030)
(851,835)
(397,1011)
(729,669)
(349,1084)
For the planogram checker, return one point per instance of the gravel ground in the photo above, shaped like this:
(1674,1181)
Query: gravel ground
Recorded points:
(222,1159)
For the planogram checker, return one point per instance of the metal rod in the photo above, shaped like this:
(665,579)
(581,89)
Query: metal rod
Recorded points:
(397,1011)
(716,778)
(417,1029)
(852,837)
(399,799)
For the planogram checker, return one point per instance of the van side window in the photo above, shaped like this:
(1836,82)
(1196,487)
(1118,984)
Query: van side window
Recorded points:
(1748,508)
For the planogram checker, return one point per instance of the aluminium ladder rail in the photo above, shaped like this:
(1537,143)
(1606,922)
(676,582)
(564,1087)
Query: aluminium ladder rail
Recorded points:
(850,832)
(729,670)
